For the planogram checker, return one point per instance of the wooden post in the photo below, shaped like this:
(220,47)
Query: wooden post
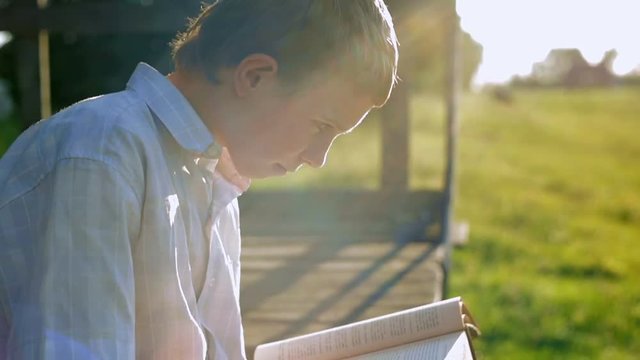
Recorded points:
(44,67)
(395,141)
(452,99)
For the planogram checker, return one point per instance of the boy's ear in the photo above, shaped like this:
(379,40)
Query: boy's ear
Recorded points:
(253,72)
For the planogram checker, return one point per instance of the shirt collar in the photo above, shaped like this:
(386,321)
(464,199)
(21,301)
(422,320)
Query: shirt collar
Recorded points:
(174,111)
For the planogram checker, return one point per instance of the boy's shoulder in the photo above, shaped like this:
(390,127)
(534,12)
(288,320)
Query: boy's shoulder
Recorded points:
(93,127)
(113,129)
(101,117)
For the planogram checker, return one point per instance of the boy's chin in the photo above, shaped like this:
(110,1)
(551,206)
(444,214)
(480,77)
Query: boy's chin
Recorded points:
(273,170)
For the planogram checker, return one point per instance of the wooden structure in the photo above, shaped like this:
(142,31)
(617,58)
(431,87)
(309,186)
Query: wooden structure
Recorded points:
(329,242)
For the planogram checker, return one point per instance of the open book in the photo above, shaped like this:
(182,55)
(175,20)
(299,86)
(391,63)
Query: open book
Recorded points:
(437,331)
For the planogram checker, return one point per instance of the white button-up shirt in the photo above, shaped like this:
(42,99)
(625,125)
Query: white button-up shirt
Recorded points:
(118,237)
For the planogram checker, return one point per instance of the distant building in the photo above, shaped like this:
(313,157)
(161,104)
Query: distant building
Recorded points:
(568,68)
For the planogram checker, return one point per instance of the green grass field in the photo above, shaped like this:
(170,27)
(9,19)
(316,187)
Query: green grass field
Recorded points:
(551,188)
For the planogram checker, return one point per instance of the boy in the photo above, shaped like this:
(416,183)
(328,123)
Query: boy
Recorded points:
(119,222)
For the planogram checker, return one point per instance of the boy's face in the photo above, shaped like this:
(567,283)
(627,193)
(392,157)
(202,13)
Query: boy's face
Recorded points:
(276,133)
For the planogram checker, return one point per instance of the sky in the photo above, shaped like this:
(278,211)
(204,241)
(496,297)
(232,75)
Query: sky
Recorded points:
(517,33)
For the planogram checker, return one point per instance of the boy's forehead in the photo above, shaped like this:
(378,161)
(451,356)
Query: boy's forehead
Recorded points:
(337,100)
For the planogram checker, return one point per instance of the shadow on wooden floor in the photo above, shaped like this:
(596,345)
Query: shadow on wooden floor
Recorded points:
(295,285)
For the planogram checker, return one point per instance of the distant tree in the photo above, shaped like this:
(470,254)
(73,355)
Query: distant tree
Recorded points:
(556,66)
(631,79)
(424,46)
(608,59)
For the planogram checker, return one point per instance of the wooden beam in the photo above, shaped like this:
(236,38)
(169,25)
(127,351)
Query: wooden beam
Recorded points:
(333,211)
(113,17)
(96,18)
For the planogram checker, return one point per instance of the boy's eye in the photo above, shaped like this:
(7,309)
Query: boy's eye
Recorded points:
(320,126)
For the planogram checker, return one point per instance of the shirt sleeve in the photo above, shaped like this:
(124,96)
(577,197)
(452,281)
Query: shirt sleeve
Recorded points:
(78,298)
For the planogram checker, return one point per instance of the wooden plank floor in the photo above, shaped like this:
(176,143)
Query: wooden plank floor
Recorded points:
(295,285)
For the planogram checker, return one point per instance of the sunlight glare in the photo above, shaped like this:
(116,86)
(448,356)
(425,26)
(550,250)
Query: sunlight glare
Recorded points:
(5,37)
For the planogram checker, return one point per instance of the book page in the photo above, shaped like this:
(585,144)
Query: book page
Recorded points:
(454,346)
(369,335)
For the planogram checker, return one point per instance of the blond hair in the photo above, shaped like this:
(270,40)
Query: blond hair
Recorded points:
(354,38)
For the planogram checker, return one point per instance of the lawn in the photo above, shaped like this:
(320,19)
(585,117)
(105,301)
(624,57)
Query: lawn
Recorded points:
(550,185)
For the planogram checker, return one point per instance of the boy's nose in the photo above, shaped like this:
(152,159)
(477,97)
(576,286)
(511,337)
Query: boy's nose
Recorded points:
(316,156)
(316,159)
